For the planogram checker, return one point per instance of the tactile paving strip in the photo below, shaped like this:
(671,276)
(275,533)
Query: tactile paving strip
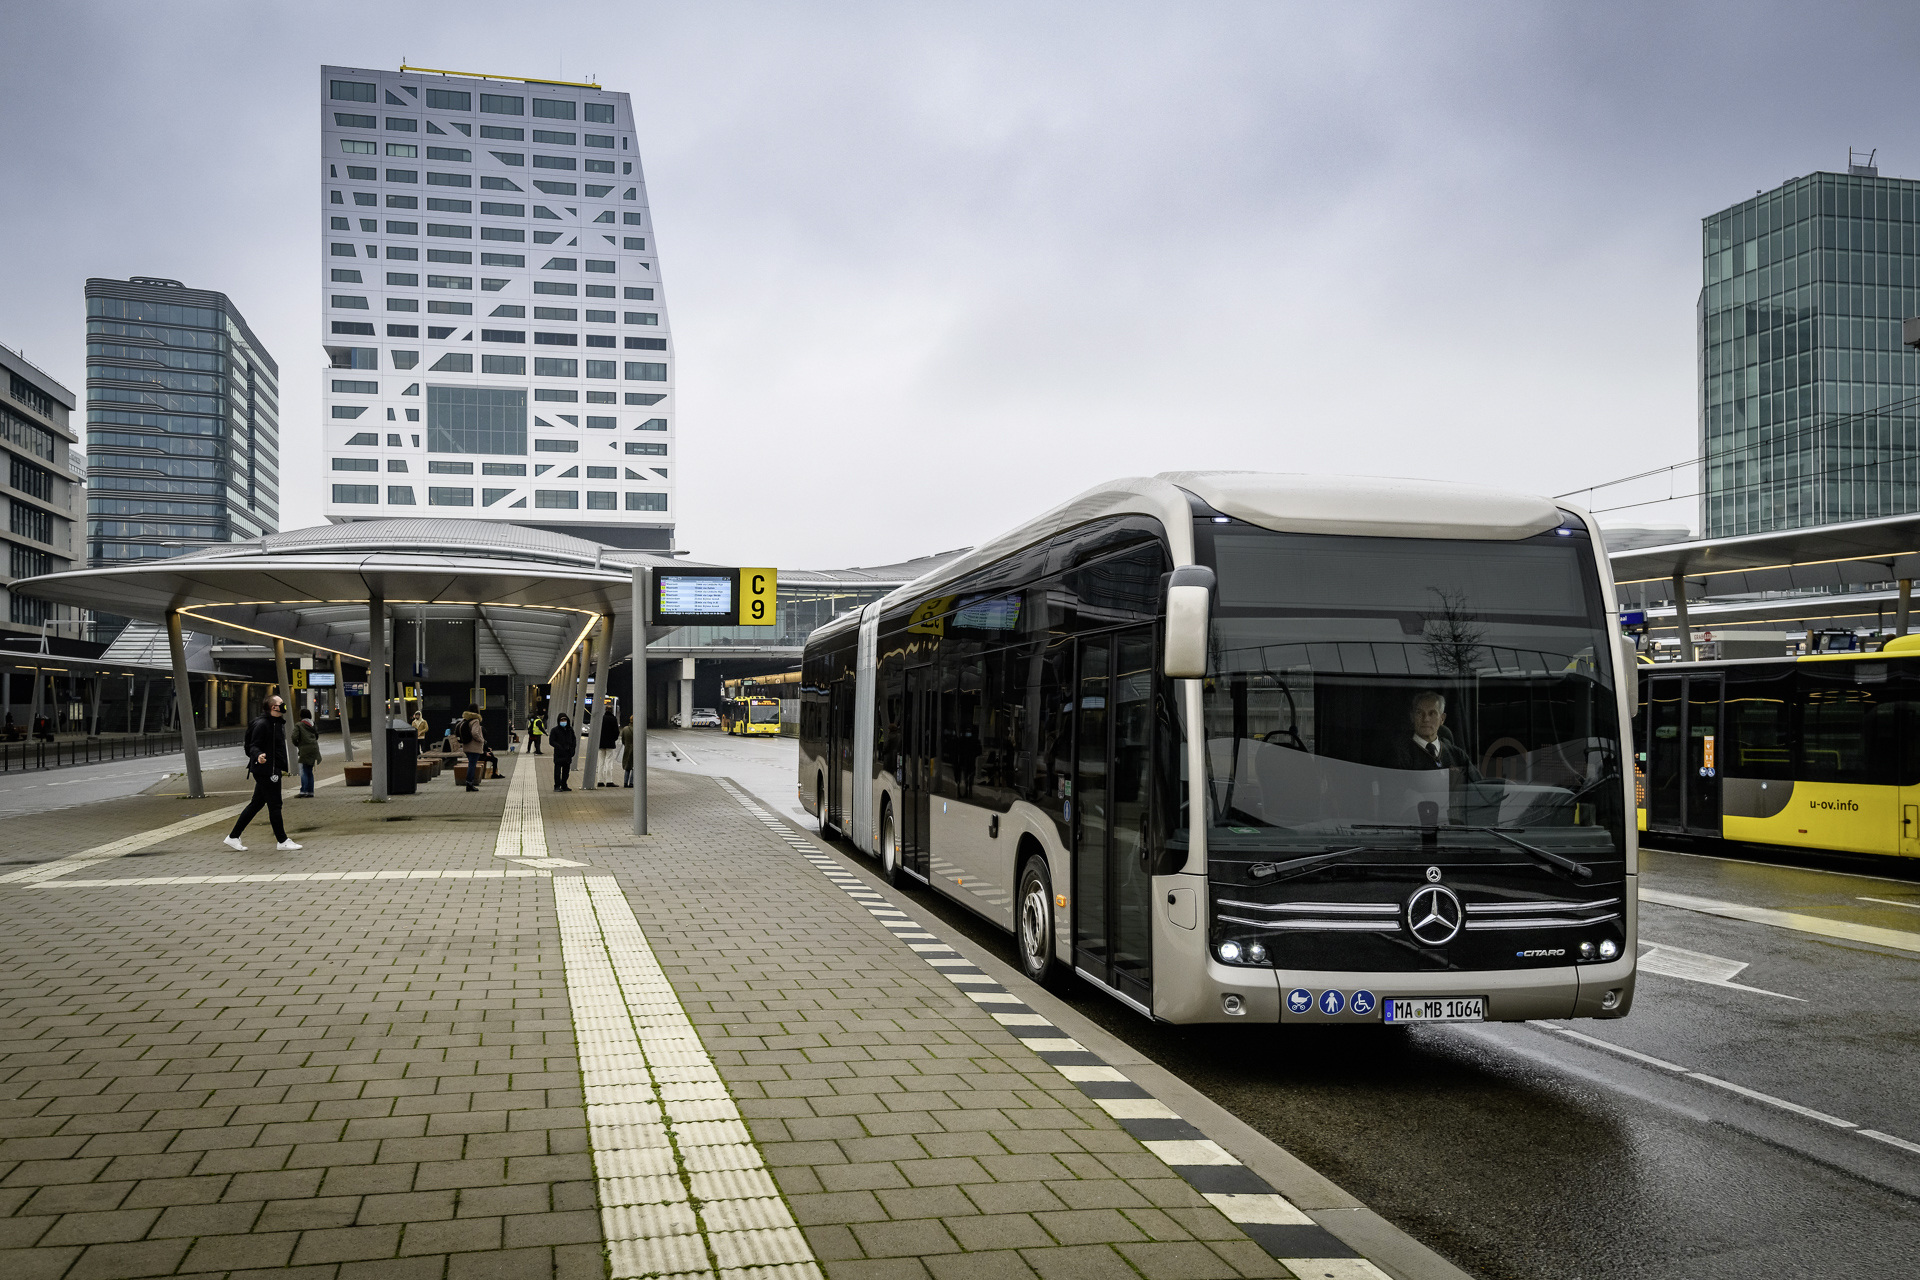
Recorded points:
(1270,1220)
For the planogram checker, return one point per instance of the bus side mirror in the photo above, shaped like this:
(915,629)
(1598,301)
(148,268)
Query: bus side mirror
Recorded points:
(1189,601)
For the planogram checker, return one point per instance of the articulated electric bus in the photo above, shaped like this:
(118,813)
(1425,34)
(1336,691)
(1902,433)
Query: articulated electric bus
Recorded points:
(1236,746)
(1820,752)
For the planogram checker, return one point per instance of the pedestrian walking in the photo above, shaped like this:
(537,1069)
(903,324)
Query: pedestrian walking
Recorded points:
(626,750)
(609,744)
(306,742)
(472,737)
(419,724)
(266,761)
(562,738)
(536,729)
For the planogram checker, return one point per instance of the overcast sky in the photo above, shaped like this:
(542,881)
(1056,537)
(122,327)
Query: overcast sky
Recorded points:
(932,268)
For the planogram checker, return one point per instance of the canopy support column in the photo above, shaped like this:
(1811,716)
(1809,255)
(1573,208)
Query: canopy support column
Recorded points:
(377,689)
(1906,606)
(595,713)
(640,594)
(346,712)
(183,699)
(285,690)
(1680,615)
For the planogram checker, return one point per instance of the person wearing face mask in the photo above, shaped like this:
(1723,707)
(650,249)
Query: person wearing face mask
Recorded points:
(266,761)
(562,739)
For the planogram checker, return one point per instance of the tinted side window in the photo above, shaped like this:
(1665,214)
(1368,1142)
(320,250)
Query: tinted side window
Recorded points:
(1759,726)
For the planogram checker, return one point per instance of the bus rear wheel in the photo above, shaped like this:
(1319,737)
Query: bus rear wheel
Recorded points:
(889,845)
(820,806)
(1034,928)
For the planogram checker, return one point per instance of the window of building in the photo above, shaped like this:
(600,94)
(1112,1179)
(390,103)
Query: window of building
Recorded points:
(439,497)
(640,295)
(354,357)
(403,304)
(403,175)
(508,310)
(556,446)
(452,362)
(601,423)
(555,339)
(348,410)
(369,226)
(359,173)
(441,307)
(656,448)
(477,420)
(652,424)
(342,275)
(395,464)
(449,231)
(600,340)
(646,502)
(403,330)
(405,360)
(597,112)
(514,366)
(347,120)
(490,496)
(503,468)
(344,387)
(462,256)
(340,224)
(603,397)
(449,179)
(546,237)
(403,279)
(602,369)
(556,396)
(402,228)
(509,157)
(600,140)
(401,253)
(552,367)
(600,317)
(553,162)
(603,473)
(503,260)
(364,494)
(503,133)
(553,108)
(541,211)
(643,317)
(351,91)
(597,166)
(503,210)
(450,468)
(437,332)
(449,282)
(601,291)
(503,335)
(633,242)
(492,285)
(599,501)
(494,183)
(502,105)
(402,150)
(356,464)
(363,440)
(641,372)
(554,138)
(400,125)
(517,235)
(356,147)
(556,313)
(556,499)
(450,99)
(647,344)
(449,206)
(456,154)
(598,264)
(353,328)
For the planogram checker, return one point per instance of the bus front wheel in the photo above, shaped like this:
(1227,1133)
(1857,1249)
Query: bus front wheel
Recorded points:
(1035,928)
(889,845)
(820,805)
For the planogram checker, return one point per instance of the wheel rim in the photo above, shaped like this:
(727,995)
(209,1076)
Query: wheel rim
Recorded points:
(1033,924)
(889,852)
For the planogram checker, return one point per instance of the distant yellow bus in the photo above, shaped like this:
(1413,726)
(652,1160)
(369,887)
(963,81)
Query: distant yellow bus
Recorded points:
(1818,752)
(749,717)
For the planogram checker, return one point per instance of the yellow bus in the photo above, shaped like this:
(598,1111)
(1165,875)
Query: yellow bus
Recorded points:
(1818,752)
(750,717)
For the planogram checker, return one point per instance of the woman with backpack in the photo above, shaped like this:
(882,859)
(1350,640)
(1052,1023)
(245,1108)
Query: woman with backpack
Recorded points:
(562,739)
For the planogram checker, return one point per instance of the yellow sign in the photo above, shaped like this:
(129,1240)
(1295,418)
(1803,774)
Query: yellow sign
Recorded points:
(299,677)
(757,597)
(929,617)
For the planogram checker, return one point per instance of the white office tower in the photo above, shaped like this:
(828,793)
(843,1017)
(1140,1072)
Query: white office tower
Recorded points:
(493,312)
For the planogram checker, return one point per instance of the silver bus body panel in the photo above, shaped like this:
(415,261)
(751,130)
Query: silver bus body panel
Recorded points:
(863,810)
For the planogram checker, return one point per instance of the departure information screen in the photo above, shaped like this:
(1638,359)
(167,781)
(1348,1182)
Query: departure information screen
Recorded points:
(693,597)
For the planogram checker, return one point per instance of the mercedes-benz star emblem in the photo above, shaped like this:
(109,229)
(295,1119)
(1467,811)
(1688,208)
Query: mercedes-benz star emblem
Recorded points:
(1434,915)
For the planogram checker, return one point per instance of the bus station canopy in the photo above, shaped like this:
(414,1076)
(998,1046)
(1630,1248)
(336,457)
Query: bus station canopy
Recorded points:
(533,594)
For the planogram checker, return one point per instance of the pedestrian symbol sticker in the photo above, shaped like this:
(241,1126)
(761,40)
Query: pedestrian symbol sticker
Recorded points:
(1332,1002)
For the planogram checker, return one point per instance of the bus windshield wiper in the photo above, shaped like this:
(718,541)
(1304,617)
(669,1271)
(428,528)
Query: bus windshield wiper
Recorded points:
(1578,869)
(1268,870)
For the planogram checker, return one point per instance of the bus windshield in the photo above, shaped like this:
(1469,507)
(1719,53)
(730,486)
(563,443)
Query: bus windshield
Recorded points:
(763,713)
(1362,689)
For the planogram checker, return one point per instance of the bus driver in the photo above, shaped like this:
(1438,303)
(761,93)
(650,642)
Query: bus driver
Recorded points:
(1425,748)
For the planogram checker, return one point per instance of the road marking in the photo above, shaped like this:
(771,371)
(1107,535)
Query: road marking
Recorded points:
(683,1189)
(1890,1140)
(1772,1101)
(131,844)
(1818,925)
(1911,906)
(1597,1043)
(1297,1242)
(1698,966)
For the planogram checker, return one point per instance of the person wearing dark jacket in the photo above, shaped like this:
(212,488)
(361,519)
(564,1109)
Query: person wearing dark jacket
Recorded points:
(306,741)
(561,737)
(266,761)
(609,743)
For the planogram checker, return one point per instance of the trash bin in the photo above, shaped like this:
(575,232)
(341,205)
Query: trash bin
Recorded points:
(403,750)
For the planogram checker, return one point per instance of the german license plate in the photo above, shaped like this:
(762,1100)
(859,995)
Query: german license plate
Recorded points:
(1446,1009)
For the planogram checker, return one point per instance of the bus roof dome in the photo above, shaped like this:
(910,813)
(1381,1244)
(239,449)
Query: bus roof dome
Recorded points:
(1375,506)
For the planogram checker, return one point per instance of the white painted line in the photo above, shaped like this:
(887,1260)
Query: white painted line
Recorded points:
(1179,1151)
(1890,1140)
(284,877)
(1647,1058)
(1772,1101)
(1820,926)
(1911,906)
(1273,1210)
(1699,966)
(1136,1108)
(1333,1268)
(130,844)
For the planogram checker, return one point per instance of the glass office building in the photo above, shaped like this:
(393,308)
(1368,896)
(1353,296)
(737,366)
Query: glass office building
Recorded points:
(1809,403)
(492,308)
(183,422)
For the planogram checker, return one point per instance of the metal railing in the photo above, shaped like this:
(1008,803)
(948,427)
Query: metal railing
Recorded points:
(18,756)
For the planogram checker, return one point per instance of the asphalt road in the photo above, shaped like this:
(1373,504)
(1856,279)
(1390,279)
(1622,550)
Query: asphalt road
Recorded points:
(1755,1115)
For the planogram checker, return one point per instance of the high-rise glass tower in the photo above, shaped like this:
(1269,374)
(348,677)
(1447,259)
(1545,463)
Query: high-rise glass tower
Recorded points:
(183,422)
(1809,404)
(492,307)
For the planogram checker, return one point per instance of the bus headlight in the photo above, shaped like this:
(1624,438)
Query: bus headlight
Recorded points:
(1230,952)
(1586,951)
(1608,949)
(1256,953)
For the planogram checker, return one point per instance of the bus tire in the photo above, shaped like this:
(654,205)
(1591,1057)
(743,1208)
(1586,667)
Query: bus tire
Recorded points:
(820,805)
(1033,924)
(889,845)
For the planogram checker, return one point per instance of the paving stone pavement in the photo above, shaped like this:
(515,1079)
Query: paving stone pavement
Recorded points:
(369,1078)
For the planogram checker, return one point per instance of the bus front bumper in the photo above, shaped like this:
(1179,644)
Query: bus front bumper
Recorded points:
(1511,995)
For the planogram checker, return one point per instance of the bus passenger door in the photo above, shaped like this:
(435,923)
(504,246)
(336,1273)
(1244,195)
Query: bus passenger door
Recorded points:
(839,747)
(1665,756)
(1705,759)
(916,771)
(1113,885)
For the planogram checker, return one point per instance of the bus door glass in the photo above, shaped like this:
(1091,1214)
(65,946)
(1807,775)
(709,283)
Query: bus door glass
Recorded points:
(839,746)
(1665,756)
(917,739)
(1705,759)
(1113,886)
